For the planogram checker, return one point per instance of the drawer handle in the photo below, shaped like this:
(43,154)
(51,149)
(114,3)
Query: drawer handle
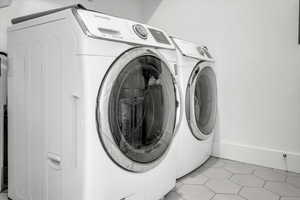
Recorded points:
(109,31)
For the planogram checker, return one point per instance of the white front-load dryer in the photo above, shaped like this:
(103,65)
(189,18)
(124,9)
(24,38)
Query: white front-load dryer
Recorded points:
(93,108)
(197,80)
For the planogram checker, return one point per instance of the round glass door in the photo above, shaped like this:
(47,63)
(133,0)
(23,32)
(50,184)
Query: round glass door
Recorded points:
(202,102)
(141,111)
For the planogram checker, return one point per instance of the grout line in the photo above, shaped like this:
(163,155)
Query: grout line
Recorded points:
(213,196)
(239,192)
(206,181)
(272,192)
(286,178)
(265,182)
(209,189)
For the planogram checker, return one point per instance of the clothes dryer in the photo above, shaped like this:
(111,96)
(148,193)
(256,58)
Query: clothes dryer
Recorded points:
(197,80)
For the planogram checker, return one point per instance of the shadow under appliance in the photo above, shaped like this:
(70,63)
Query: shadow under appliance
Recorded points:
(197,81)
(3,121)
(93,108)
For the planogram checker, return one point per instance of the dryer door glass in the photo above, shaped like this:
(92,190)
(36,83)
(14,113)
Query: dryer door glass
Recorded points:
(142,107)
(205,100)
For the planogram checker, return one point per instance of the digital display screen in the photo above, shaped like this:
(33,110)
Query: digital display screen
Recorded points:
(159,36)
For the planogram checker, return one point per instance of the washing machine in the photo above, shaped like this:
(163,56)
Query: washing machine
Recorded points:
(93,107)
(196,75)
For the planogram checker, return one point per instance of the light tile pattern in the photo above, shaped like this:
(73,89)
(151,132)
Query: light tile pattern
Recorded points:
(248,180)
(240,169)
(223,186)
(270,174)
(194,179)
(227,197)
(216,173)
(213,163)
(220,179)
(283,189)
(195,192)
(258,193)
(294,180)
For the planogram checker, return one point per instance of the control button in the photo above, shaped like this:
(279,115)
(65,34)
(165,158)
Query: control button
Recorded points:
(206,52)
(141,31)
(201,51)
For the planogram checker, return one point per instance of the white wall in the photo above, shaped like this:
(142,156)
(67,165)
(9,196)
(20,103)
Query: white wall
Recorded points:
(258,69)
(148,8)
(131,9)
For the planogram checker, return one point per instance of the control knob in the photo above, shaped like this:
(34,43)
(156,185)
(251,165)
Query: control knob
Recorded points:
(140,31)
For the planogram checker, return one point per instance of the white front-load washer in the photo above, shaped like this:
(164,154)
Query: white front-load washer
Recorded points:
(93,108)
(197,80)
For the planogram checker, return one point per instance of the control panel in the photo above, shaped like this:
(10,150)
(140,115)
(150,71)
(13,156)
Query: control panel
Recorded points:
(98,25)
(190,49)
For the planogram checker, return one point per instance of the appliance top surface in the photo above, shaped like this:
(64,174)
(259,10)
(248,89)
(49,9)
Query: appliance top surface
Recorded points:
(190,49)
(102,26)
(98,25)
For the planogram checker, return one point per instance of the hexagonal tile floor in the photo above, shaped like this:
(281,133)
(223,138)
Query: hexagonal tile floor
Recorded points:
(220,179)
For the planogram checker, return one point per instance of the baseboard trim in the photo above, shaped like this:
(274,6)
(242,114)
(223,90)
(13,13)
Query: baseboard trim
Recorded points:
(258,155)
